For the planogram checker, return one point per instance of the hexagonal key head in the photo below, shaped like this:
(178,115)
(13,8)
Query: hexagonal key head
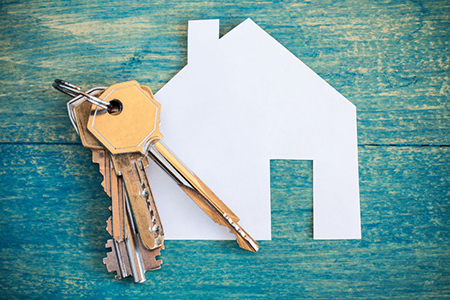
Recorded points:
(133,123)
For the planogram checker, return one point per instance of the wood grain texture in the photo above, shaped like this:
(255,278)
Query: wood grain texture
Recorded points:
(390,58)
(53,233)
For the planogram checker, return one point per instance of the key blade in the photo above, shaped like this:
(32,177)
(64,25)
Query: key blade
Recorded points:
(244,240)
(201,194)
(128,256)
(148,227)
(247,243)
(117,206)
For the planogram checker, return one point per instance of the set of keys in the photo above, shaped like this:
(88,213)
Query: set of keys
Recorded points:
(102,118)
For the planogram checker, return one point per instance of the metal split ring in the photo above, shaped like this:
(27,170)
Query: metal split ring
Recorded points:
(74,91)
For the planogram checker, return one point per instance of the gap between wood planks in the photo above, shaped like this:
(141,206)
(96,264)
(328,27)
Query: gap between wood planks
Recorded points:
(359,145)
(403,145)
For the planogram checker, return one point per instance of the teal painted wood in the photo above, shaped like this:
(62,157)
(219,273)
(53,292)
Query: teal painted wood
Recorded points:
(390,58)
(53,233)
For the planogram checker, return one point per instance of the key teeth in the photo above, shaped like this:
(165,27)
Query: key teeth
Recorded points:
(150,261)
(109,227)
(109,244)
(110,260)
(107,191)
(149,257)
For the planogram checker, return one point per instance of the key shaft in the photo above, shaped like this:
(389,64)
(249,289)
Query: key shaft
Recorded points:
(128,255)
(201,194)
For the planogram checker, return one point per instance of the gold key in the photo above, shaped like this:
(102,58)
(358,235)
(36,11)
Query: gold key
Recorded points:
(126,132)
(121,127)
(201,194)
(134,126)
(128,255)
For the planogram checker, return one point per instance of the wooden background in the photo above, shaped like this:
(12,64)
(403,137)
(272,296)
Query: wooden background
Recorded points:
(389,58)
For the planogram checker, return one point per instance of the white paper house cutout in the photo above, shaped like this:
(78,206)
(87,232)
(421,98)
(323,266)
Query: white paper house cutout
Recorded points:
(242,100)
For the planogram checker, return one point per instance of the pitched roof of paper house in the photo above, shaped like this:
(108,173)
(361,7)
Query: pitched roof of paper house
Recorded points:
(240,101)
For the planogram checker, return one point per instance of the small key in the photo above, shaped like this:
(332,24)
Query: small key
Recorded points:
(129,133)
(128,255)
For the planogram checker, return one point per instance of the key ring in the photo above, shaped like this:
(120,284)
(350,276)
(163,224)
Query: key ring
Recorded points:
(73,91)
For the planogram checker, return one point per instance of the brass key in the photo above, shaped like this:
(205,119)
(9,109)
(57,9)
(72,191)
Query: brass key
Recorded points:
(128,255)
(122,129)
(201,194)
(131,131)
(125,132)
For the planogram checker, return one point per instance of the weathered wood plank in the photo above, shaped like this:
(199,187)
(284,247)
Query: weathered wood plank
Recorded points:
(52,235)
(389,58)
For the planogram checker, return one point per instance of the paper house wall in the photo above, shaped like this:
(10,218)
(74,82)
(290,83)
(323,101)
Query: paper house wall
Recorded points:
(240,101)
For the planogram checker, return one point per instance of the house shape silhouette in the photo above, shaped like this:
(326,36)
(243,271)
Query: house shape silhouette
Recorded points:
(240,101)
